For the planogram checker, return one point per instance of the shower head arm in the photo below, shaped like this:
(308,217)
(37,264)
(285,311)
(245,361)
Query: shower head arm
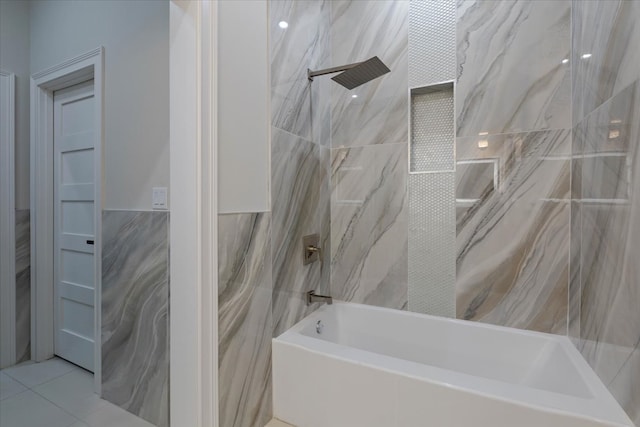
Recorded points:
(311,74)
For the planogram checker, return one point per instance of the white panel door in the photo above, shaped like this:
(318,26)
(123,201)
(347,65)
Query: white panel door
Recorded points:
(74,141)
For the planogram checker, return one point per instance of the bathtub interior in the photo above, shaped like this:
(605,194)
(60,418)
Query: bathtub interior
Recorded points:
(533,360)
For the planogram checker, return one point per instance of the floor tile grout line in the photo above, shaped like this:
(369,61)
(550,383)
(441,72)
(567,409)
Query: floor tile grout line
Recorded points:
(49,380)
(73,369)
(18,381)
(53,403)
(75,419)
(13,379)
(59,407)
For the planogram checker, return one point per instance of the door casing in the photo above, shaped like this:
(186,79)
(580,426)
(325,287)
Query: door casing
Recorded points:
(43,84)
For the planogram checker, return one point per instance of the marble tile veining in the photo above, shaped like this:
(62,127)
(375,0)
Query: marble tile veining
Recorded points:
(23,285)
(369,225)
(299,106)
(360,30)
(245,323)
(513,242)
(135,313)
(296,212)
(610,220)
(510,76)
(609,33)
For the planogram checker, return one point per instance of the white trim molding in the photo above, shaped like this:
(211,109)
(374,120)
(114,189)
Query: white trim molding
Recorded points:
(87,66)
(7,221)
(194,255)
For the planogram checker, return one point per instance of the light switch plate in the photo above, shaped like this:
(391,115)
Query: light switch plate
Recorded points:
(159,198)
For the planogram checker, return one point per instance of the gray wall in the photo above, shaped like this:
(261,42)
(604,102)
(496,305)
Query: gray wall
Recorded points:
(605,188)
(135,36)
(14,57)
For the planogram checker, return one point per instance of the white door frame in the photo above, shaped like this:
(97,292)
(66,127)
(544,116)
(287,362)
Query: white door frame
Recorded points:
(43,84)
(7,223)
(194,220)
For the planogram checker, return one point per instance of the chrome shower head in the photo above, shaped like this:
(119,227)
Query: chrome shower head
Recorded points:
(354,75)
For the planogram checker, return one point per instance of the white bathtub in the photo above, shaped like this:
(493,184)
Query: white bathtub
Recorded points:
(379,367)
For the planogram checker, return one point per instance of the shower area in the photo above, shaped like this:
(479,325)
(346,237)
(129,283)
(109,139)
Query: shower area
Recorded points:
(488,176)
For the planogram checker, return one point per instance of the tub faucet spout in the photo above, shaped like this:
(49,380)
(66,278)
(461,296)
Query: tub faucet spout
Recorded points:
(313,297)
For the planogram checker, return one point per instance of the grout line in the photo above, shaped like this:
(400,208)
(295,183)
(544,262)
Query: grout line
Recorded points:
(53,379)
(520,132)
(58,406)
(300,137)
(35,363)
(386,144)
(76,419)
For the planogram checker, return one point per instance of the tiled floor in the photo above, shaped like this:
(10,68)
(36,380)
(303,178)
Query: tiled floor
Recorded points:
(56,393)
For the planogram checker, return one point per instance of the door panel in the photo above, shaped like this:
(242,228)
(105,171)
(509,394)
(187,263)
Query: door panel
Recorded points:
(74,189)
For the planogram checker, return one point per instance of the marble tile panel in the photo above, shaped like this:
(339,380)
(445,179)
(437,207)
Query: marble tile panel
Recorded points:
(299,106)
(609,316)
(379,114)
(513,243)
(245,323)
(296,212)
(23,285)
(135,313)
(606,53)
(510,75)
(369,225)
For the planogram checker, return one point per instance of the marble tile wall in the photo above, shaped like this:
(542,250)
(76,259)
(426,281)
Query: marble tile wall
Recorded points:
(135,313)
(300,141)
(513,240)
(610,217)
(369,225)
(360,30)
(23,285)
(510,72)
(245,322)
(608,32)
(369,136)
(605,285)
(298,106)
(297,211)
(262,279)
(513,207)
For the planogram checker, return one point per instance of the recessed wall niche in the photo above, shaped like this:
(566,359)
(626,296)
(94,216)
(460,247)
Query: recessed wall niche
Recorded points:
(432,139)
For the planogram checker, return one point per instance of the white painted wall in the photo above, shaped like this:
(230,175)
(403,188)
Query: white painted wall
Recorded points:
(135,35)
(14,57)
(244,116)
